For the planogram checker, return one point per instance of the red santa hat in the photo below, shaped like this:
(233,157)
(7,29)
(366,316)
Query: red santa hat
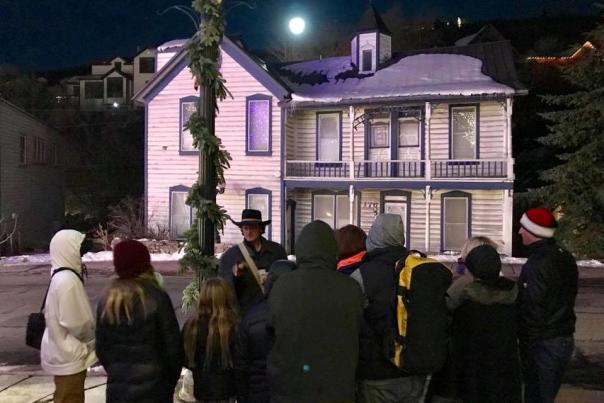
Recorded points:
(539,222)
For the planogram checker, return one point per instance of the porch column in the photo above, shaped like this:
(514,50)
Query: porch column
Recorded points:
(508,138)
(428,166)
(508,217)
(351,117)
(351,207)
(428,200)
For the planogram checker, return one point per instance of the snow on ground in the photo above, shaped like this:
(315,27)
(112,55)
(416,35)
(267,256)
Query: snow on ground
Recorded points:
(107,256)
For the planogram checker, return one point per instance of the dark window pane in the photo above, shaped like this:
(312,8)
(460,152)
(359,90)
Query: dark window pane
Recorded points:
(146,65)
(93,90)
(367,60)
(115,87)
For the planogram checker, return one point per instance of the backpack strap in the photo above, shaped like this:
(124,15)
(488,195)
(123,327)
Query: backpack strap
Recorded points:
(53,274)
(250,262)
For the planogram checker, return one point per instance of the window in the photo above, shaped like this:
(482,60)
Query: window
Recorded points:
(260,199)
(93,89)
(333,209)
(463,128)
(408,132)
(146,65)
(380,133)
(115,87)
(180,213)
(258,125)
(23,150)
(39,151)
(455,220)
(188,106)
(117,66)
(367,64)
(328,133)
(397,202)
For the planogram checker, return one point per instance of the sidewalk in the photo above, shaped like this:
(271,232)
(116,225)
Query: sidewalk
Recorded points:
(30,384)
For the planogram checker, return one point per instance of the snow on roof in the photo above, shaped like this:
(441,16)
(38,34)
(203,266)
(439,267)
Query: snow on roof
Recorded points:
(416,75)
(171,45)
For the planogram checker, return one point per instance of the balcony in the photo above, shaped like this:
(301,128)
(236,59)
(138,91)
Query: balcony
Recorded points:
(410,169)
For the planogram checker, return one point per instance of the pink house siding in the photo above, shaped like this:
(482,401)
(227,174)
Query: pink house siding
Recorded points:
(166,168)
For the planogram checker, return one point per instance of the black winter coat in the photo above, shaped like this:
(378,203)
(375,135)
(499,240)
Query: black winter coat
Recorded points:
(314,319)
(485,347)
(377,332)
(548,288)
(251,349)
(211,382)
(245,288)
(143,359)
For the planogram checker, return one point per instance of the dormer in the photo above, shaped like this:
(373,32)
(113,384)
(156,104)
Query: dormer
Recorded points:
(372,44)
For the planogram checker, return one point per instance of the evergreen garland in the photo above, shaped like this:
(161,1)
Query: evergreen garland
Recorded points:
(206,73)
(576,186)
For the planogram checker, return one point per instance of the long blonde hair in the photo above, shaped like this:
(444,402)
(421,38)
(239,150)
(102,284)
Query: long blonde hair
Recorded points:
(474,242)
(216,305)
(122,295)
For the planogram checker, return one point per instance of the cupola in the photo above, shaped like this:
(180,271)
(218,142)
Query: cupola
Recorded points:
(371,45)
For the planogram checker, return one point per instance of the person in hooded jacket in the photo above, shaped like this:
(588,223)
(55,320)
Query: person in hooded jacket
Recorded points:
(379,379)
(68,345)
(314,322)
(252,344)
(484,332)
(138,337)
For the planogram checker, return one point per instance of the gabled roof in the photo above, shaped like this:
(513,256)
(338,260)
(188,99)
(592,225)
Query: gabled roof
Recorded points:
(487,33)
(474,70)
(178,62)
(120,72)
(372,21)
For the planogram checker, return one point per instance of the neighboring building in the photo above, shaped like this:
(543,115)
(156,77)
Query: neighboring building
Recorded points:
(112,83)
(31,178)
(424,133)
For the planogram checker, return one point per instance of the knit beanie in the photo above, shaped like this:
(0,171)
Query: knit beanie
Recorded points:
(484,262)
(131,258)
(539,222)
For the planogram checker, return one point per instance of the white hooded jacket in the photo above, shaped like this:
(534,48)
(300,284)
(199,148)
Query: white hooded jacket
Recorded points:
(68,341)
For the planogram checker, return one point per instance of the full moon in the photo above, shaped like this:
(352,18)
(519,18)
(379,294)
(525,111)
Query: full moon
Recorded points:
(297,25)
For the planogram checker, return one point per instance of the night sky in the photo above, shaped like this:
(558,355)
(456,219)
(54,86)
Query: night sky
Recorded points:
(38,35)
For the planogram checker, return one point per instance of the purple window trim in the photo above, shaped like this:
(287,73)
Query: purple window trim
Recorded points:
(454,194)
(259,97)
(262,191)
(174,189)
(477,146)
(317,137)
(182,101)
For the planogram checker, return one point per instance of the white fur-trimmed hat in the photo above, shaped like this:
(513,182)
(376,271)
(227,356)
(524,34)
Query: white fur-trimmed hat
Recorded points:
(539,222)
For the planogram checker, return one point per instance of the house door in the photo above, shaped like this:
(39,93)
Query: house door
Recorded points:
(290,226)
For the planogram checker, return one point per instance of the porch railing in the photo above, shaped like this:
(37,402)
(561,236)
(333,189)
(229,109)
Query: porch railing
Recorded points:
(469,168)
(429,169)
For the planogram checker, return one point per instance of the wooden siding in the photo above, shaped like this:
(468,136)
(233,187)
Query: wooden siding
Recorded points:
(487,210)
(167,168)
(35,190)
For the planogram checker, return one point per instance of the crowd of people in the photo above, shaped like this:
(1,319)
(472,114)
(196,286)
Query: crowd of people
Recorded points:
(319,330)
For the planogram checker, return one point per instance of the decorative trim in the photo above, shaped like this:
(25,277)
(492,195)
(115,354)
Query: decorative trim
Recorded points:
(173,189)
(323,184)
(262,191)
(477,146)
(454,194)
(182,101)
(407,194)
(259,97)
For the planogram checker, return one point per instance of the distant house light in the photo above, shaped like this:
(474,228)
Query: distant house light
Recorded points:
(459,22)
(116,105)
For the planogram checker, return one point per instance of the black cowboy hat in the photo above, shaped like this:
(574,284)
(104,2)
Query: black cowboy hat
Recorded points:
(251,216)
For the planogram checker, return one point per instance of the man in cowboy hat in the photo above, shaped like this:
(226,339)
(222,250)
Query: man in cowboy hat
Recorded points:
(548,288)
(263,253)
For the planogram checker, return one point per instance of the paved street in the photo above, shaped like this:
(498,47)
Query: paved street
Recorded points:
(22,289)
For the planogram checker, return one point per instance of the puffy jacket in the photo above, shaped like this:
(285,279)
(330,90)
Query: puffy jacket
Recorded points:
(314,320)
(143,358)
(68,342)
(548,289)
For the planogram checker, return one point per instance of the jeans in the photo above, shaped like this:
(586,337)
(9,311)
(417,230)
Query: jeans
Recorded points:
(408,389)
(543,363)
